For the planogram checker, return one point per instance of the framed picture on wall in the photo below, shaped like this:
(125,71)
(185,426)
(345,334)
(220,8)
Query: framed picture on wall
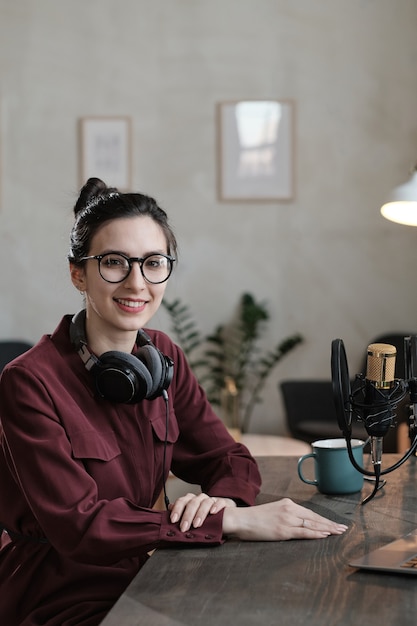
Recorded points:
(105,150)
(256,150)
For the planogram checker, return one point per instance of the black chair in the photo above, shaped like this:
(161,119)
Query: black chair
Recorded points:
(310,410)
(309,406)
(10,349)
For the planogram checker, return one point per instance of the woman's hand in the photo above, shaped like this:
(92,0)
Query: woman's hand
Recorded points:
(193,509)
(276,521)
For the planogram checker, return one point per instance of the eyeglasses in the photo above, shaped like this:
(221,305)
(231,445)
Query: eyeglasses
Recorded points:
(115,267)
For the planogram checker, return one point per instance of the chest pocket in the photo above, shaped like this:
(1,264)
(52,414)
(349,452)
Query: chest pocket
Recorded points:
(158,423)
(101,446)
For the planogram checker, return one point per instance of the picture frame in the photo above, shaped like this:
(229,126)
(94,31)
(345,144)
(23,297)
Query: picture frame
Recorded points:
(105,150)
(256,150)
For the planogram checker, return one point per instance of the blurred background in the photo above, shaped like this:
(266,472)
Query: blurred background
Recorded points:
(335,267)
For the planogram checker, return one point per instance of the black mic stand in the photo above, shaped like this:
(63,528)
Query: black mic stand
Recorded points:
(410,358)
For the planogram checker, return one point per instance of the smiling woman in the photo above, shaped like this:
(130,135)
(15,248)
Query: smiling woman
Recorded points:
(95,416)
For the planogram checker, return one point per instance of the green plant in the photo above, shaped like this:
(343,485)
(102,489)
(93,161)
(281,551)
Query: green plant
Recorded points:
(185,330)
(232,352)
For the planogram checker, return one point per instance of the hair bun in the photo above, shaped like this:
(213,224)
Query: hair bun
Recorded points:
(93,188)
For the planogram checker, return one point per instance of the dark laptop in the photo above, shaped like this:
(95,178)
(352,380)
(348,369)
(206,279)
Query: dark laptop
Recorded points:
(399,556)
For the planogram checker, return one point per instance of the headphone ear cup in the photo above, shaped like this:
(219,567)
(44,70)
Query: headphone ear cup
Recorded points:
(121,377)
(152,359)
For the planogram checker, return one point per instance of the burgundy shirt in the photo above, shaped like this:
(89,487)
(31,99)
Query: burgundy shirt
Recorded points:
(79,476)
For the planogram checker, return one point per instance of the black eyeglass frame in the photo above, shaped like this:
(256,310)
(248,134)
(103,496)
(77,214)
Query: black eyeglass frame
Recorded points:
(131,260)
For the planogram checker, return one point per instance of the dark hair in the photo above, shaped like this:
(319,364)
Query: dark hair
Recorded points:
(98,204)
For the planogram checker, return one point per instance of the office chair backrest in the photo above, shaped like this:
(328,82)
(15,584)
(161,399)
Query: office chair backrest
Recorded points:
(10,349)
(309,409)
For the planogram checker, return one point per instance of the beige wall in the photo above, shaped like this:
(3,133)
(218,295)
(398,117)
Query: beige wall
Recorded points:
(337,269)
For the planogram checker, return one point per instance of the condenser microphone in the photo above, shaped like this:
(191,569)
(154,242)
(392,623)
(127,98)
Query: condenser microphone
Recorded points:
(378,413)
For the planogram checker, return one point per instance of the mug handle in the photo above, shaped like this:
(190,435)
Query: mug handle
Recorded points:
(300,471)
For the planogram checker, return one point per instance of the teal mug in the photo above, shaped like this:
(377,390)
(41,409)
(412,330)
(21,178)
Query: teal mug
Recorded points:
(333,470)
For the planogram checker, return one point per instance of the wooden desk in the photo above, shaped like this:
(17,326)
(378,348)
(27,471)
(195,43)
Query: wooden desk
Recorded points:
(270,445)
(287,583)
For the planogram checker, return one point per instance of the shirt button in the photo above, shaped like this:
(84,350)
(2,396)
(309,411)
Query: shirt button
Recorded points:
(171,533)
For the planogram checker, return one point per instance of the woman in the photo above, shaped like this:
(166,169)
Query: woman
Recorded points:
(95,415)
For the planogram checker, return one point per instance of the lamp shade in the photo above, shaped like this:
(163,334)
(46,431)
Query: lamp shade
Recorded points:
(402,204)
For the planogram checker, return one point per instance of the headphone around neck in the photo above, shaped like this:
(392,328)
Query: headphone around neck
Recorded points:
(122,377)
